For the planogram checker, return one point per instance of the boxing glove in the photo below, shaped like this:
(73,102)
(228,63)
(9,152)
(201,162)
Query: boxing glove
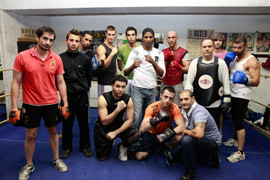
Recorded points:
(229,57)
(177,65)
(168,133)
(17,117)
(226,105)
(64,112)
(240,78)
(162,116)
(168,56)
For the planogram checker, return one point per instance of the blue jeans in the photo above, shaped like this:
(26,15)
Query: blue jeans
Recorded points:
(141,98)
(191,147)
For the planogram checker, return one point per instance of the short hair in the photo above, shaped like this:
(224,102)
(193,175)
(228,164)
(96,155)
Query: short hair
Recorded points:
(75,32)
(190,93)
(43,29)
(130,28)
(219,37)
(240,39)
(169,88)
(148,30)
(110,28)
(90,33)
(208,39)
(118,78)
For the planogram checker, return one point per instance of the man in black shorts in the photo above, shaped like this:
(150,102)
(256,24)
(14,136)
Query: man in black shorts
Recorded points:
(38,69)
(157,126)
(110,123)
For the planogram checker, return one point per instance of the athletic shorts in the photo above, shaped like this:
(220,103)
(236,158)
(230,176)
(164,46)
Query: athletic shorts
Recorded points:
(149,143)
(103,145)
(33,115)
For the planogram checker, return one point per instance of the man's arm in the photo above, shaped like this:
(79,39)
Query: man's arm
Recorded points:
(106,118)
(89,70)
(191,75)
(186,63)
(158,69)
(131,63)
(253,67)
(62,89)
(101,54)
(15,89)
(128,123)
(119,63)
(197,132)
(181,126)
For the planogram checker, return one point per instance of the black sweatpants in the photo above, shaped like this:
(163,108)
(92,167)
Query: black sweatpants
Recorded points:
(79,105)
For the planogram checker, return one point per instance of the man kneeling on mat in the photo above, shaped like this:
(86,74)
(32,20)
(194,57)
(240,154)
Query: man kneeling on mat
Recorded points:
(110,123)
(157,126)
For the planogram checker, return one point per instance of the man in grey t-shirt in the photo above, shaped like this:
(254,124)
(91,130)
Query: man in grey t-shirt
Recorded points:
(201,136)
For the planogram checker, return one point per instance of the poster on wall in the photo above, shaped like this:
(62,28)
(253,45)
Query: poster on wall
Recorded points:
(250,41)
(263,43)
(99,37)
(194,38)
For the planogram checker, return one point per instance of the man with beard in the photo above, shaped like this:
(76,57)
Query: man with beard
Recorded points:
(107,54)
(177,61)
(85,46)
(244,73)
(38,69)
(123,52)
(78,75)
(111,124)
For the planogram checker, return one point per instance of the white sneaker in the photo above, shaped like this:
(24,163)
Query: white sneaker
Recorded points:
(236,157)
(123,153)
(25,172)
(60,165)
(231,142)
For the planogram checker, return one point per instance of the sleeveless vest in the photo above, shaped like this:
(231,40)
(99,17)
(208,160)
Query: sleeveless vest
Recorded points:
(206,84)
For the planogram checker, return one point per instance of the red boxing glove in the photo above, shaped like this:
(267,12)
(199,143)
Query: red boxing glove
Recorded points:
(167,56)
(176,65)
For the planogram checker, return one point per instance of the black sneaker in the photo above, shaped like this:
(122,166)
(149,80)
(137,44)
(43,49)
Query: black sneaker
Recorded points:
(65,154)
(187,176)
(87,152)
(169,157)
(216,159)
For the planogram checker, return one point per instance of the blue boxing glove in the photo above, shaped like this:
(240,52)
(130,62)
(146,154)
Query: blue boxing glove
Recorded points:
(240,78)
(230,56)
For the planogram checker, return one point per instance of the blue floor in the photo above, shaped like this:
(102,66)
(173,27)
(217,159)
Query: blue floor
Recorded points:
(256,165)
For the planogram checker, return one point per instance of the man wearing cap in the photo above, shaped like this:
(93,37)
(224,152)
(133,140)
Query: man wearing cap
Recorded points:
(148,64)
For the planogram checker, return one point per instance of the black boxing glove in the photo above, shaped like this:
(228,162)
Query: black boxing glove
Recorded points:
(168,133)
(226,105)
(162,116)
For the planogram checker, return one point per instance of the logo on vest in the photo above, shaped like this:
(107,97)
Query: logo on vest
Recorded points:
(205,81)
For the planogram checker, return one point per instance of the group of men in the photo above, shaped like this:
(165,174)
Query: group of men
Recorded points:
(127,107)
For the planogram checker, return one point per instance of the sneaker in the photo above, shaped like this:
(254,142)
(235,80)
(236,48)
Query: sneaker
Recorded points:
(65,154)
(60,165)
(187,176)
(236,157)
(169,157)
(26,171)
(231,142)
(87,152)
(122,152)
(216,159)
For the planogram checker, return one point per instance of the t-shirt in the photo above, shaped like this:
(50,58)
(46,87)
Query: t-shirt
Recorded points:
(38,80)
(153,110)
(122,55)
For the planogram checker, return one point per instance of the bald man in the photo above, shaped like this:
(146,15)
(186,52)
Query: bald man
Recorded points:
(177,61)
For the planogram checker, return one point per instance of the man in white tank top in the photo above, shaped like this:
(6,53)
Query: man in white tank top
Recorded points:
(244,73)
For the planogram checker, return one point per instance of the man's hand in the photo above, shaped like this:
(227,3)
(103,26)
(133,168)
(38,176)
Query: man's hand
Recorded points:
(111,135)
(137,63)
(121,105)
(114,51)
(149,59)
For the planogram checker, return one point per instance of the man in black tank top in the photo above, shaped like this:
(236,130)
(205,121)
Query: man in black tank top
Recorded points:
(111,124)
(108,53)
